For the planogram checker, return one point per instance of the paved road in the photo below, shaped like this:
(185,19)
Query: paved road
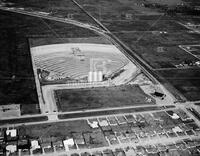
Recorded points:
(78,118)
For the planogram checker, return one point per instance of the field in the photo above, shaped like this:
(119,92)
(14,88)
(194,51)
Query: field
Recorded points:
(23,120)
(34,42)
(62,9)
(17,84)
(111,112)
(147,47)
(166,2)
(146,34)
(59,129)
(95,98)
(186,81)
(115,10)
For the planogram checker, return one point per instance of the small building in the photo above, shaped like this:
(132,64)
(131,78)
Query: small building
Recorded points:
(160,49)
(11,148)
(23,144)
(68,143)
(24,152)
(103,123)
(158,95)
(79,140)
(95,76)
(93,124)
(35,147)
(47,147)
(11,135)
(175,116)
(58,145)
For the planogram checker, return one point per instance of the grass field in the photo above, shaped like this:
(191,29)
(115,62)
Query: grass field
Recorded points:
(95,98)
(17,84)
(167,2)
(62,8)
(115,10)
(185,81)
(46,41)
(23,120)
(147,46)
(58,130)
(109,112)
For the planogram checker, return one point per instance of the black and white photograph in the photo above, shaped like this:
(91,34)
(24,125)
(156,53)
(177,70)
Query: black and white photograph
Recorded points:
(99,77)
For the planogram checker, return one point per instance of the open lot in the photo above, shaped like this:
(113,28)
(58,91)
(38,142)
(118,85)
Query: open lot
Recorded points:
(166,2)
(185,81)
(111,112)
(145,34)
(115,10)
(146,45)
(23,120)
(95,98)
(46,41)
(57,130)
(17,84)
(62,8)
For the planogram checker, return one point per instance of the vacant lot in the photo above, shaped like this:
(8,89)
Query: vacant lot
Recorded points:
(146,45)
(95,98)
(185,81)
(111,112)
(23,120)
(61,8)
(115,9)
(59,130)
(166,2)
(46,41)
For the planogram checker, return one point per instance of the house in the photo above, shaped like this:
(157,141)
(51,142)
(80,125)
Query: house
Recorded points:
(24,151)
(11,148)
(93,124)
(11,135)
(103,123)
(58,145)
(79,140)
(47,147)
(69,142)
(23,144)
(35,147)
(158,95)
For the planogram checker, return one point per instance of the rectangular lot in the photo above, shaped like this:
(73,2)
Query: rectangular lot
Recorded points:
(186,81)
(101,97)
(62,9)
(45,41)
(147,45)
